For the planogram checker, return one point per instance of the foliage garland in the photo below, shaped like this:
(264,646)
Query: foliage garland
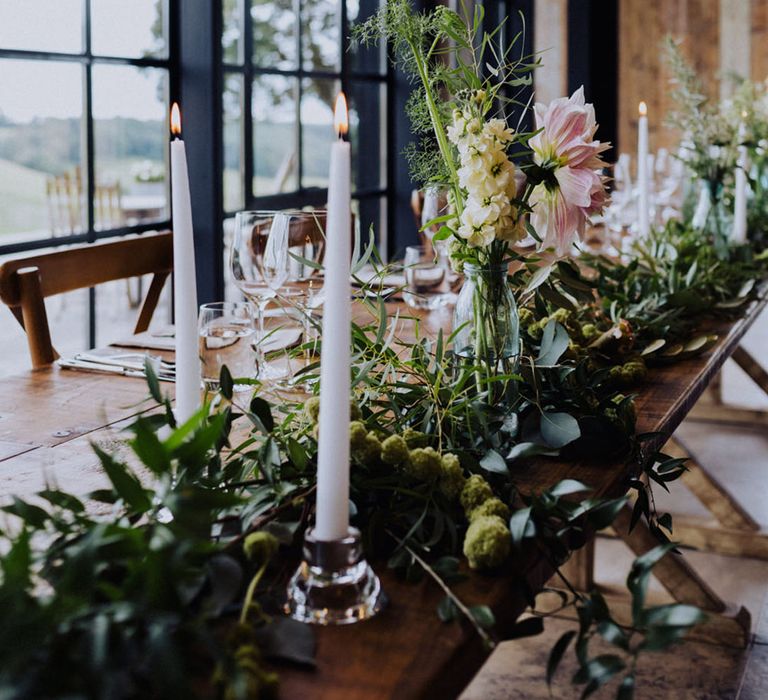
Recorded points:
(175,589)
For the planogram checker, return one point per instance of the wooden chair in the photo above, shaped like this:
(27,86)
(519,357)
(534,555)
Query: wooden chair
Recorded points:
(26,282)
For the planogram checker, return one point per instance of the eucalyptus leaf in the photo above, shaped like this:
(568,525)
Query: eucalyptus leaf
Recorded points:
(556,654)
(492,461)
(559,429)
(554,342)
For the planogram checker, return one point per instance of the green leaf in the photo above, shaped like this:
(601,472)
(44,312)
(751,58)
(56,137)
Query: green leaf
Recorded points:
(447,610)
(62,500)
(527,627)
(284,639)
(483,615)
(152,381)
(566,487)
(599,670)
(437,220)
(604,513)
(492,461)
(554,342)
(612,633)
(125,484)
(33,515)
(296,453)
(226,384)
(556,655)
(262,409)
(559,429)
(443,234)
(521,525)
(626,690)
(674,615)
(529,449)
(538,278)
(148,447)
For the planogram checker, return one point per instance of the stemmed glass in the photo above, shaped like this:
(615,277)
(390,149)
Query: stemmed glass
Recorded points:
(436,204)
(260,267)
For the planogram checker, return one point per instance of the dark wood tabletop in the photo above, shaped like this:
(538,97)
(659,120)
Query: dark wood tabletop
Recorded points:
(49,417)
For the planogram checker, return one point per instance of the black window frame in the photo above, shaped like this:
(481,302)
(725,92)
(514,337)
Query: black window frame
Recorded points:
(87,59)
(345,75)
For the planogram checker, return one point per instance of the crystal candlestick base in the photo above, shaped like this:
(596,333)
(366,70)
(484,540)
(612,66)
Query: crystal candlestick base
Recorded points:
(334,585)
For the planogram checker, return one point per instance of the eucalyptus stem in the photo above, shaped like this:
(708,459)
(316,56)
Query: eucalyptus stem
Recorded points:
(446,589)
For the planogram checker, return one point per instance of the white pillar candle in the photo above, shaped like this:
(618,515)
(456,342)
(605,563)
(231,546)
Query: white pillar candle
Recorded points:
(643,225)
(332,517)
(184,279)
(739,233)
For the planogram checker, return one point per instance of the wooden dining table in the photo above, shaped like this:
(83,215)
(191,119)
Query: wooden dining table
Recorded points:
(49,417)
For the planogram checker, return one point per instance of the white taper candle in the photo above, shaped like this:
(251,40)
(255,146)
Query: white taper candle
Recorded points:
(332,516)
(643,225)
(184,279)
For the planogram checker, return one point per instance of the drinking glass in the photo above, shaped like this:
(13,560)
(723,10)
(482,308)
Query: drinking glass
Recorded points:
(226,337)
(260,266)
(427,284)
(436,204)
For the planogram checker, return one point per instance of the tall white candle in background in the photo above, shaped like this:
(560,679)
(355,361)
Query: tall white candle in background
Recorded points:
(332,519)
(739,233)
(184,281)
(643,225)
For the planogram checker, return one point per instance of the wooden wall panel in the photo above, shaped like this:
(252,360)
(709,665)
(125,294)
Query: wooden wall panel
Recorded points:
(759,40)
(551,41)
(642,74)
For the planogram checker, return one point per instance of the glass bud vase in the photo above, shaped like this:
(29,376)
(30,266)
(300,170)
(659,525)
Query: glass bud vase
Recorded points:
(487,328)
(713,216)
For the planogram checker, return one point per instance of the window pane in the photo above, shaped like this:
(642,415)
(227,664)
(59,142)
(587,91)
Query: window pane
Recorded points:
(41,25)
(274,33)
(131,28)
(275,150)
(232,33)
(68,321)
(320,34)
(365,59)
(317,130)
(233,123)
(131,144)
(367,128)
(41,183)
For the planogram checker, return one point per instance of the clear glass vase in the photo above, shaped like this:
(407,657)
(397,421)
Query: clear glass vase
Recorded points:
(713,214)
(487,327)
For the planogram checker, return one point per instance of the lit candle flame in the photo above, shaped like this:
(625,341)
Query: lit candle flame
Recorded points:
(643,109)
(341,116)
(175,119)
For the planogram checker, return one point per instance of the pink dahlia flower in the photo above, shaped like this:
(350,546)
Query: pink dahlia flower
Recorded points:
(573,188)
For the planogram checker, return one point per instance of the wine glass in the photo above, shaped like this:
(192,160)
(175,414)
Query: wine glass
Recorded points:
(436,204)
(260,267)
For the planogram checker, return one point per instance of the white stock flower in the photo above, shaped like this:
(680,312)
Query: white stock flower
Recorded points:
(488,177)
(477,223)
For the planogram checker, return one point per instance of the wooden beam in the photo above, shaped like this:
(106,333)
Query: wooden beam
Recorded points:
(713,538)
(752,367)
(673,571)
(711,492)
(730,415)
